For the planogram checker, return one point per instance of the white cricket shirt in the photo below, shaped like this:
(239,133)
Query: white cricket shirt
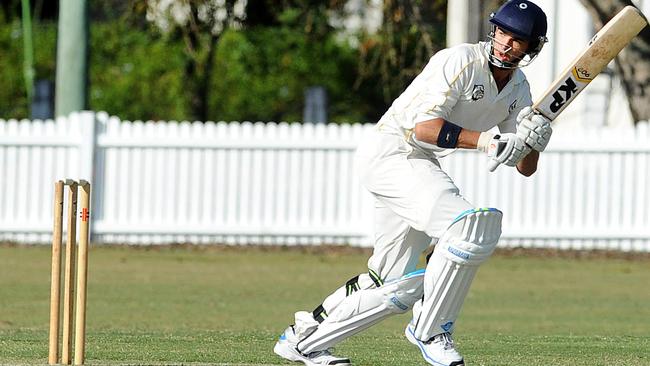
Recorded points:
(457,85)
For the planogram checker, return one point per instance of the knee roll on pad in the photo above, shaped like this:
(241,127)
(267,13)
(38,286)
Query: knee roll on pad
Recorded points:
(468,242)
(364,308)
(472,237)
(400,295)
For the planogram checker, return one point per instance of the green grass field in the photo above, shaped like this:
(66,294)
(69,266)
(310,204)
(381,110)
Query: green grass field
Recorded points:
(184,305)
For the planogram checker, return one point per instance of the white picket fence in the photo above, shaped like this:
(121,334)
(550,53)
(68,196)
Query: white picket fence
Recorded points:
(279,183)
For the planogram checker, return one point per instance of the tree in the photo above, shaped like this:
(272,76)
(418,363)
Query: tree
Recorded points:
(200,23)
(633,63)
(412,31)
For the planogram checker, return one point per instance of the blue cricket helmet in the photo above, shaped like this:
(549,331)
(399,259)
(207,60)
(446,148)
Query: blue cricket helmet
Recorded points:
(525,20)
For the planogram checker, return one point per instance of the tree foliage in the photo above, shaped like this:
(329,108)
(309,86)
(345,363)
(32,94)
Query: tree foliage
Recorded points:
(136,75)
(13,96)
(250,63)
(262,73)
(412,31)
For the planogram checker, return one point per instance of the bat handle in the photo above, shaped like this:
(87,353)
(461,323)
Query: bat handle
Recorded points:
(492,165)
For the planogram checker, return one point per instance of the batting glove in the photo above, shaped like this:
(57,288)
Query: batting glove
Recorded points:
(534,129)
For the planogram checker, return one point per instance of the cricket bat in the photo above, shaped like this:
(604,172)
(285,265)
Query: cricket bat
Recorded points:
(602,48)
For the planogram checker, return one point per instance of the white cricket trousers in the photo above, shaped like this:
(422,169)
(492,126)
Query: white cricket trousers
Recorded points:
(415,200)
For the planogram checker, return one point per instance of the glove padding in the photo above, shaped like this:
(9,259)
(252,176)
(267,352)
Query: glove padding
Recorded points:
(507,149)
(534,129)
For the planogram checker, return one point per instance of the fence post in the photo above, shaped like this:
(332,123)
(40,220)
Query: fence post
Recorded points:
(87,145)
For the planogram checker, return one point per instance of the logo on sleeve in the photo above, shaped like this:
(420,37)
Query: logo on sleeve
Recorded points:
(512,106)
(478,92)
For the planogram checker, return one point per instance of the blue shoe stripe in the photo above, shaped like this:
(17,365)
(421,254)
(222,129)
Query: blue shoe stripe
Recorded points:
(423,350)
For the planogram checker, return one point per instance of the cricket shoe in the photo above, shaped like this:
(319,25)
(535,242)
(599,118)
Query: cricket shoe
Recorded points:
(438,351)
(286,347)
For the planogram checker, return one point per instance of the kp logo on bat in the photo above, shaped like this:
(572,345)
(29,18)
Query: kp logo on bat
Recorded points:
(563,94)
(570,89)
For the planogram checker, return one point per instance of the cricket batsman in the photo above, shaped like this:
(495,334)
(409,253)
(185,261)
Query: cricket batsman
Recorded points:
(462,93)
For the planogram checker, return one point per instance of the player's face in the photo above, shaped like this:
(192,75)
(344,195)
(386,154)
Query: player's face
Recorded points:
(508,47)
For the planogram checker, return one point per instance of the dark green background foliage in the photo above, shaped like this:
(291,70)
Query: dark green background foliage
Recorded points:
(261,74)
(257,72)
(13,99)
(136,74)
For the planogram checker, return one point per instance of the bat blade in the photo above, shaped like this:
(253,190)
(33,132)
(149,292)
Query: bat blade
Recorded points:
(602,48)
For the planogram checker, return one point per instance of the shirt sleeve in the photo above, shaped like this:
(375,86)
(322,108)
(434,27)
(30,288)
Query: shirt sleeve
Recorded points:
(444,79)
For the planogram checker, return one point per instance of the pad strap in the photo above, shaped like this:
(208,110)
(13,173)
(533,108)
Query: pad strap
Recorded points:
(319,313)
(352,285)
(375,278)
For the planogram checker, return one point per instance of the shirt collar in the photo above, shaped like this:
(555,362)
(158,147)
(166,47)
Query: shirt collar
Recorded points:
(517,76)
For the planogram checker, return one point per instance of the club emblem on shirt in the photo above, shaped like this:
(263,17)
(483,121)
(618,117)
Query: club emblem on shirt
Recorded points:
(512,106)
(478,92)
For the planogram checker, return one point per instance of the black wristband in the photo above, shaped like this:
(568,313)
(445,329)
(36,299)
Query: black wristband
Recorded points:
(448,136)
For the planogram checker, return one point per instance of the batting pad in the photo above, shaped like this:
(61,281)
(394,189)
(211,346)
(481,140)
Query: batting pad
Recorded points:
(364,308)
(468,242)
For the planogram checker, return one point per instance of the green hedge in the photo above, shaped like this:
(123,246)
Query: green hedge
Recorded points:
(136,74)
(132,74)
(260,74)
(13,99)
